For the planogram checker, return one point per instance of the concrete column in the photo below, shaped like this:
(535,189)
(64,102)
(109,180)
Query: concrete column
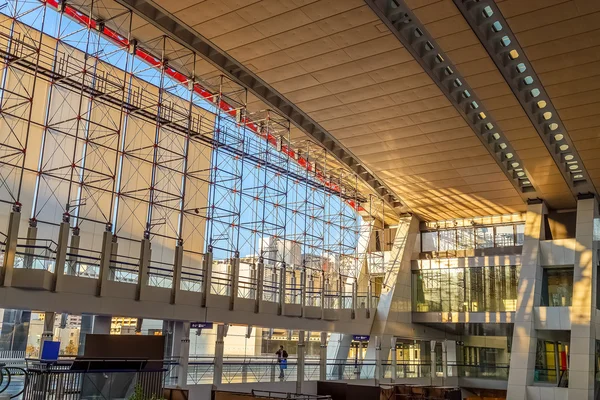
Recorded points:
(145,256)
(282,289)
(73,251)
(101,325)
(253,279)
(524,344)
(340,290)
(337,352)
(394,310)
(182,330)
(61,253)
(300,361)
(394,360)
(451,358)
(177,267)
(32,231)
(48,333)
(219,349)
(10,249)
(105,256)
(354,295)
(235,278)
(324,288)
(369,298)
(583,309)
(432,356)
(444,361)
(323,357)
(303,289)
(114,251)
(206,276)
(378,370)
(260,282)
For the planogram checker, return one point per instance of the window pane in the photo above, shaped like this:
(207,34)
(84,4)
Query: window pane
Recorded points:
(429,241)
(557,289)
(448,240)
(466,238)
(484,237)
(520,234)
(505,236)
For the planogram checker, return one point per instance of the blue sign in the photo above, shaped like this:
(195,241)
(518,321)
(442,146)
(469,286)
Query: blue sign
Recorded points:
(201,325)
(361,338)
(50,350)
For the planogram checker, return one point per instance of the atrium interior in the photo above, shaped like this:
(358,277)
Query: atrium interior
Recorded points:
(301,199)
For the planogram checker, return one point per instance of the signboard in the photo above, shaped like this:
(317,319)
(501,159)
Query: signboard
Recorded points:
(201,325)
(361,338)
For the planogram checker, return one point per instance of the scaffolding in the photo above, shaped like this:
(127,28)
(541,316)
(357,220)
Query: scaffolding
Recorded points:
(113,144)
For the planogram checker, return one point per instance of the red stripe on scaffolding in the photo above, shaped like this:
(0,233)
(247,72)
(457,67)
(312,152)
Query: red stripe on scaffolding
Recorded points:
(118,39)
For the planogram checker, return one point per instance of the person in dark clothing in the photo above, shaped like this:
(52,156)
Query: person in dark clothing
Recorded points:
(282,356)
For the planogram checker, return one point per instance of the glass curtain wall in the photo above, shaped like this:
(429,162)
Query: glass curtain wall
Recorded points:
(481,237)
(474,289)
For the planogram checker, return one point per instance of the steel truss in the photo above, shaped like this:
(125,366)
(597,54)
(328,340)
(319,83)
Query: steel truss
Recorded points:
(134,143)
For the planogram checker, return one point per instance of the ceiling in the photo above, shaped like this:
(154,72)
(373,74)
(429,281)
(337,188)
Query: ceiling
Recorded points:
(340,64)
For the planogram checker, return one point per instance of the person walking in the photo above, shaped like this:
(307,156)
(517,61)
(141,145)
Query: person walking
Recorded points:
(282,356)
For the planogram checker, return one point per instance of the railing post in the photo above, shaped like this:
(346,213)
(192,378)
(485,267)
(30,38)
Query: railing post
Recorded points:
(234,279)
(206,276)
(323,290)
(323,357)
(144,263)
(177,267)
(300,363)
(260,281)
(282,291)
(394,366)
(253,282)
(341,286)
(302,289)
(61,253)
(433,361)
(184,355)
(369,298)
(354,296)
(105,256)
(10,248)
(74,252)
(32,231)
(219,349)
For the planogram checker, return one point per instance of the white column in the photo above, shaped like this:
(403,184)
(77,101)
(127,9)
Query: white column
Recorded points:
(451,359)
(394,310)
(583,309)
(145,256)
(337,351)
(105,255)
(219,349)
(432,356)
(524,345)
(184,351)
(10,248)
(206,276)
(378,370)
(300,362)
(48,333)
(177,268)
(61,253)
(323,357)
(235,276)
(394,360)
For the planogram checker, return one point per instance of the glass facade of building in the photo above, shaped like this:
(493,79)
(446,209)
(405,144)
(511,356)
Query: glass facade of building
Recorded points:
(474,289)
(480,237)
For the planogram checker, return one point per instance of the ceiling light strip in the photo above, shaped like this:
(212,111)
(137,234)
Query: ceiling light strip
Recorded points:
(493,31)
(412,34)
